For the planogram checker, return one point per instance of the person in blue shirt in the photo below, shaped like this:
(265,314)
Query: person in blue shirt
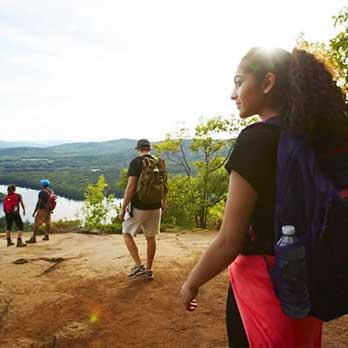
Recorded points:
(42,212)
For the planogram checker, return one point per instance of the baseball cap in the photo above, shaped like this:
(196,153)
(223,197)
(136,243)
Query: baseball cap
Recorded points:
(142,143)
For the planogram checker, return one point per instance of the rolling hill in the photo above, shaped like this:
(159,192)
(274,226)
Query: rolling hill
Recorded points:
(9,144)
(71,167)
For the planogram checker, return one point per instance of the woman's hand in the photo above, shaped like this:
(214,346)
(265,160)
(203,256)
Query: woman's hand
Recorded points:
(189,294)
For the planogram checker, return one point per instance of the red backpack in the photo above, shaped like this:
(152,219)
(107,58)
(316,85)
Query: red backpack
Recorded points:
(11,203)
(52,200)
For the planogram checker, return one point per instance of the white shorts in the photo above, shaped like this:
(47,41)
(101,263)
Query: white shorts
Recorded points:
(147,220)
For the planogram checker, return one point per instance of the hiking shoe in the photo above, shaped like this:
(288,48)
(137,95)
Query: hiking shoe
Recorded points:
(149,275)
(9,242)
(20,244)
(32,240)
(136,271)
(46,237)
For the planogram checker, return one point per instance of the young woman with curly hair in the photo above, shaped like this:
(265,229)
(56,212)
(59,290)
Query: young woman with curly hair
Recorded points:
(297,91)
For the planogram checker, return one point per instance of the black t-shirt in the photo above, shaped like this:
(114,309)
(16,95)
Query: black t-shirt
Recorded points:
(43,199)
(19,198)
(254,157)
(134,169)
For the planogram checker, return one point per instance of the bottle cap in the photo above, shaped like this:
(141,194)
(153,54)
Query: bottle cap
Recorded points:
(288,230)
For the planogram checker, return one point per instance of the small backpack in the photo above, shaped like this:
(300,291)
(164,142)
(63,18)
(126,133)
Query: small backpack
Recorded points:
(312,195)
(52,200)
(152,183)
(11,203)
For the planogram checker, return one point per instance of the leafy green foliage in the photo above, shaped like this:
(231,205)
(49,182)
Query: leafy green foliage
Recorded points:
(113,228)
(123,179)
(180,208)
(339,45)
(323,53)
(334,55)
(67,183)
(97,204)
(211,179)
(215,215)
(65,225)
(197,198)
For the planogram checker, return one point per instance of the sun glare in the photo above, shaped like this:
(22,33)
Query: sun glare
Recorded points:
(93,318)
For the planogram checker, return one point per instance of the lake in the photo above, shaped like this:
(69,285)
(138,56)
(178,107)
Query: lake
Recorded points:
(66,209)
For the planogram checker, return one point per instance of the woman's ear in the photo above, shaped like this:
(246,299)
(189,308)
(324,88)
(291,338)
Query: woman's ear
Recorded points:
(268,82)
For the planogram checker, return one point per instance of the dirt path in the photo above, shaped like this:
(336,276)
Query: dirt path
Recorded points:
(73,292)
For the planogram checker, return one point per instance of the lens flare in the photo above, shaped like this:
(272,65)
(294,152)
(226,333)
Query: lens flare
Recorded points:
(93,318)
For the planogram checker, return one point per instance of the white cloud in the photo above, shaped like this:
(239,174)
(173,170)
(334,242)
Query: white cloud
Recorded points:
(94,70)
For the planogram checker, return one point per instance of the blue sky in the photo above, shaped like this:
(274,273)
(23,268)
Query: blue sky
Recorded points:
(82,70)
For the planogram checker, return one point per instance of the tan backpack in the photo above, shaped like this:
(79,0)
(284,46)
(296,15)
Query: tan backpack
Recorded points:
(152,184)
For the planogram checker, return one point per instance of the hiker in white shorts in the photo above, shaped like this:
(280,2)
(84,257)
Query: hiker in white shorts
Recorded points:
(143,202)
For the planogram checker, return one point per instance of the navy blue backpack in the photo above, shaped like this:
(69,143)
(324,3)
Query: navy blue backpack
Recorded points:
(312,195)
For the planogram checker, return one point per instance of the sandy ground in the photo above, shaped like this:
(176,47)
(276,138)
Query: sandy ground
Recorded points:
(73,292)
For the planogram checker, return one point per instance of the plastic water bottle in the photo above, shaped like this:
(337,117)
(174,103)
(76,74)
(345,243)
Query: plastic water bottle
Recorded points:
(291,278)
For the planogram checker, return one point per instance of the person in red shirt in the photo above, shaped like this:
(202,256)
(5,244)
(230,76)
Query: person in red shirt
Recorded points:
(12,203)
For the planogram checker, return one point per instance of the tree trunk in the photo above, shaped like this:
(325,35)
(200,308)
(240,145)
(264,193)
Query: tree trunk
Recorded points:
(202,218)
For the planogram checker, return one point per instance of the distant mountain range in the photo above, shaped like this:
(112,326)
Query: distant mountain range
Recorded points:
(70,149)
(8,144)
(70,167)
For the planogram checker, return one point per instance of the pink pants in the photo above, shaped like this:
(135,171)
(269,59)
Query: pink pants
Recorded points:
(265,323)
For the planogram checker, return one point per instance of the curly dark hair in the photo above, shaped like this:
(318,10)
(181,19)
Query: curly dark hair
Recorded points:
(310,99)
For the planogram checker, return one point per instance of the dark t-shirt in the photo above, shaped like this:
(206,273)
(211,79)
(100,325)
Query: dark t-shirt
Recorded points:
(43,199)
(135,168)
(254,157)
(19,199)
